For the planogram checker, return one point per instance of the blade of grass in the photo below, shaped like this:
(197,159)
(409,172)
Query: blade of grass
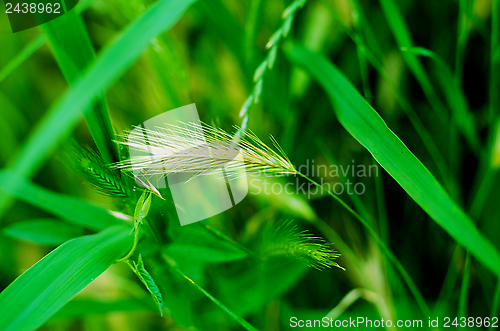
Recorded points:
(455,97)
(421,130)
(73,51)
(43,231)
(385,250)
(461,40)
(47,286)
(237,318)
(33,46)
(462,303)
(111,63)
(403,39)
(366,126)
(68,208)
(495,62)
(22,56)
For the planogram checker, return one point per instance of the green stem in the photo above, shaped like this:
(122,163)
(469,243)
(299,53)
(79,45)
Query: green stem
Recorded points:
(230,240)
(462,305)
(173,265)
(411,285)
(420,128)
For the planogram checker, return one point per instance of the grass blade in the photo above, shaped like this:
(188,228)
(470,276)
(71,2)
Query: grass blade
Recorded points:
(110,64)
(237,318)
(43,231)
(22,56)
(74,210)
(455,97)
(366,126)
(403,39)
(47,286)
(74,53)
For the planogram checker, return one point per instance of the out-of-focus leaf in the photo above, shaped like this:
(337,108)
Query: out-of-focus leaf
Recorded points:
(454,96)
(366,126)
(149,282)
(74,53)
(142,206)
(261,284)
(109,65)
(81,308)
(43,231)
(207,254)
(47,286)
(68,208)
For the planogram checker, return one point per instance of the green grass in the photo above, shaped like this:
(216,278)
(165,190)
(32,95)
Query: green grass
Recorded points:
(337,82)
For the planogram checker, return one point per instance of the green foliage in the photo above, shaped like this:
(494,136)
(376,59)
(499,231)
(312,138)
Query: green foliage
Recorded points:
(364,124)
(433,86)
(43,231)
(42,290)
(148,281)
(69,208)
(98,174)
(286,239)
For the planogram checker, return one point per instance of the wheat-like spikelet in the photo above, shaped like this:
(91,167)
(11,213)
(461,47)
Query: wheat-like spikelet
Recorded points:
(285,239)
(197,150)
(98,174)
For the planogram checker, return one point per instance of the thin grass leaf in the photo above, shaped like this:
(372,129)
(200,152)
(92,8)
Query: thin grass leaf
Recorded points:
(203,253)
(71,209)
(366,126)
(149,282)
(403,39)
(110,64)
(43,231)
(237,318)
(455,97)
(47,286)
(22,56)
(73,51)
(85,307)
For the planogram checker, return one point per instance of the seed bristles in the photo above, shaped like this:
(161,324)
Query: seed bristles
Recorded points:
(201,149)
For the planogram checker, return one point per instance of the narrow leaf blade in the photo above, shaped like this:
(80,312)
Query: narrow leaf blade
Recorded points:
(367,127)
(47,286)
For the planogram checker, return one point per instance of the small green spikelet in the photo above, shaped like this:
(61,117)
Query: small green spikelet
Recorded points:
(98,174)
(285,239)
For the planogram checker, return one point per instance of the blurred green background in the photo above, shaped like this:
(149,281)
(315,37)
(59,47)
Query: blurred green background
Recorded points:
(209,58)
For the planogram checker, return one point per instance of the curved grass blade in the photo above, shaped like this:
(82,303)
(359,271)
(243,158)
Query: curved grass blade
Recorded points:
(73,210)
(368,128)
(454,96)
(73,51)
(149,282)
(22,56)
(43,231)
(110,64)
(47,286)
(237,318)
(403,39)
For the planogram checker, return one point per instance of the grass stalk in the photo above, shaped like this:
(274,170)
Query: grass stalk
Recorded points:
(173,265)
(409,282)
(420,128)
(462,304)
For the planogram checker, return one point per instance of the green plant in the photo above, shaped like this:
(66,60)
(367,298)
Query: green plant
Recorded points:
(428,114)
